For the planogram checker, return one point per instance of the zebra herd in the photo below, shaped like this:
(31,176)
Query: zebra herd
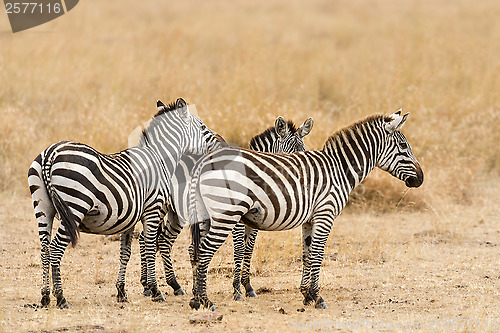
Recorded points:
(183,172)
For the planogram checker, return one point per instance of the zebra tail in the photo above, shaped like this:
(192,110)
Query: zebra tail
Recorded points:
(193,215)
(67,219)
(195,237)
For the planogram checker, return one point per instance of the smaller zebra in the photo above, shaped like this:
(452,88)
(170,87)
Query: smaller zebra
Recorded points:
(277,192)
(284,137)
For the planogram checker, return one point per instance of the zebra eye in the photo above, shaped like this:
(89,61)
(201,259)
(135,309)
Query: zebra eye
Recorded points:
(403,145)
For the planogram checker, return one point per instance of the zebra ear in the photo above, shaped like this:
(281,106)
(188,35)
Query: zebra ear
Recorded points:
(397,121)
(160,105)
(306,127)
(182,107)
(281,126)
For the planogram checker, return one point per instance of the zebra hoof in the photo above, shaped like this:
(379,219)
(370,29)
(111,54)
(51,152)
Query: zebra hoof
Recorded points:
(147,292)
(179,292)
(207,304)
(237,297)
(158,298)
(194,304)
(308,300)
(122,299)
(320,304)
(251,293)
(62,304)
(45,301)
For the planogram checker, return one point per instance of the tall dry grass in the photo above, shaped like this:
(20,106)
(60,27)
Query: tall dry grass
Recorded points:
(94,74)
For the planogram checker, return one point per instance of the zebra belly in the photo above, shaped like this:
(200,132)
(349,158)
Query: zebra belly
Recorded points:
(261,222)
(101,224)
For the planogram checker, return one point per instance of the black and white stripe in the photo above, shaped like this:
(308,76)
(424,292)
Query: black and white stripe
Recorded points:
(284,137)
(279,192)
(108,194)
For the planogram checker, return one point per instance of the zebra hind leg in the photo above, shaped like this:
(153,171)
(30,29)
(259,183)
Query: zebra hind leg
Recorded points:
(239,250)
(125,247)
(209,244)
(44,213)
(45,254)
(57,247)
(204,226)
(250,236)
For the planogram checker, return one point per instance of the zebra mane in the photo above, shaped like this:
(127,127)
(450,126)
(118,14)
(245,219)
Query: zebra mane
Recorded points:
(167,108)
(271,132)
(338,135)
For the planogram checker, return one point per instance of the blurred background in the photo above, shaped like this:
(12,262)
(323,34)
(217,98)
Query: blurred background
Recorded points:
(94,74)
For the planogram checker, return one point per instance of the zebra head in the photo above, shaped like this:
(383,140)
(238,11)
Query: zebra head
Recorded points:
(289,137)
(194,136)
(397,157)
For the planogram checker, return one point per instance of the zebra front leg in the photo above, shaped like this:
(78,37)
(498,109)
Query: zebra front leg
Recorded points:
(166,238)
(306,263)
(320,233)
(57,247)
(125,247)
(150,233)
(239,250)
(144,266)
(250,236)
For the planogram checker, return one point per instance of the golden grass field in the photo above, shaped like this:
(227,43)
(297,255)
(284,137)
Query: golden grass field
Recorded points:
(428,256)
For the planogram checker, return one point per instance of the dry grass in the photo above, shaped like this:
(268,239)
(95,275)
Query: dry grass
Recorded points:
(94,74)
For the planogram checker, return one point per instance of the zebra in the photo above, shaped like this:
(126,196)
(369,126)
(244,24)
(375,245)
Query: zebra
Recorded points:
(108,194)
(279,192)
(284,137)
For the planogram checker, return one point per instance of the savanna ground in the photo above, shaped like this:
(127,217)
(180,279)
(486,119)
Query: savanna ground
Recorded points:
(427,257)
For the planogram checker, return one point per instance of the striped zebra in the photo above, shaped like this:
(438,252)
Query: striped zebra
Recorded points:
(108,194)
(280,192)
(284,137)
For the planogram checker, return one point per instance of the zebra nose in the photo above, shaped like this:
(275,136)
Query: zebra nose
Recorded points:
(416,181)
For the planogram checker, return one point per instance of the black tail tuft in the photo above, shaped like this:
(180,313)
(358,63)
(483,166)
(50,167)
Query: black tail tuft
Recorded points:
(67,218)
(195,239)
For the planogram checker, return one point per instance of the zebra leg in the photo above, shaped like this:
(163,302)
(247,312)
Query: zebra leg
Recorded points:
(57,247)
(144,266)
(166,238)
(306,263)
(319,237)
(204,226)
(44,213)
(239,250)
(150,232)
(125,246)
(216,235)
(250,236)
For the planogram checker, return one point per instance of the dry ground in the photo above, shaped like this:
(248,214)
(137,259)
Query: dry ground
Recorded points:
(400,268)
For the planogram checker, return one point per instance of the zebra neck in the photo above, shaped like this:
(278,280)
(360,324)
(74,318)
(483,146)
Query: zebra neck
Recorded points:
(353,156)
(168,155)
(166,145)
